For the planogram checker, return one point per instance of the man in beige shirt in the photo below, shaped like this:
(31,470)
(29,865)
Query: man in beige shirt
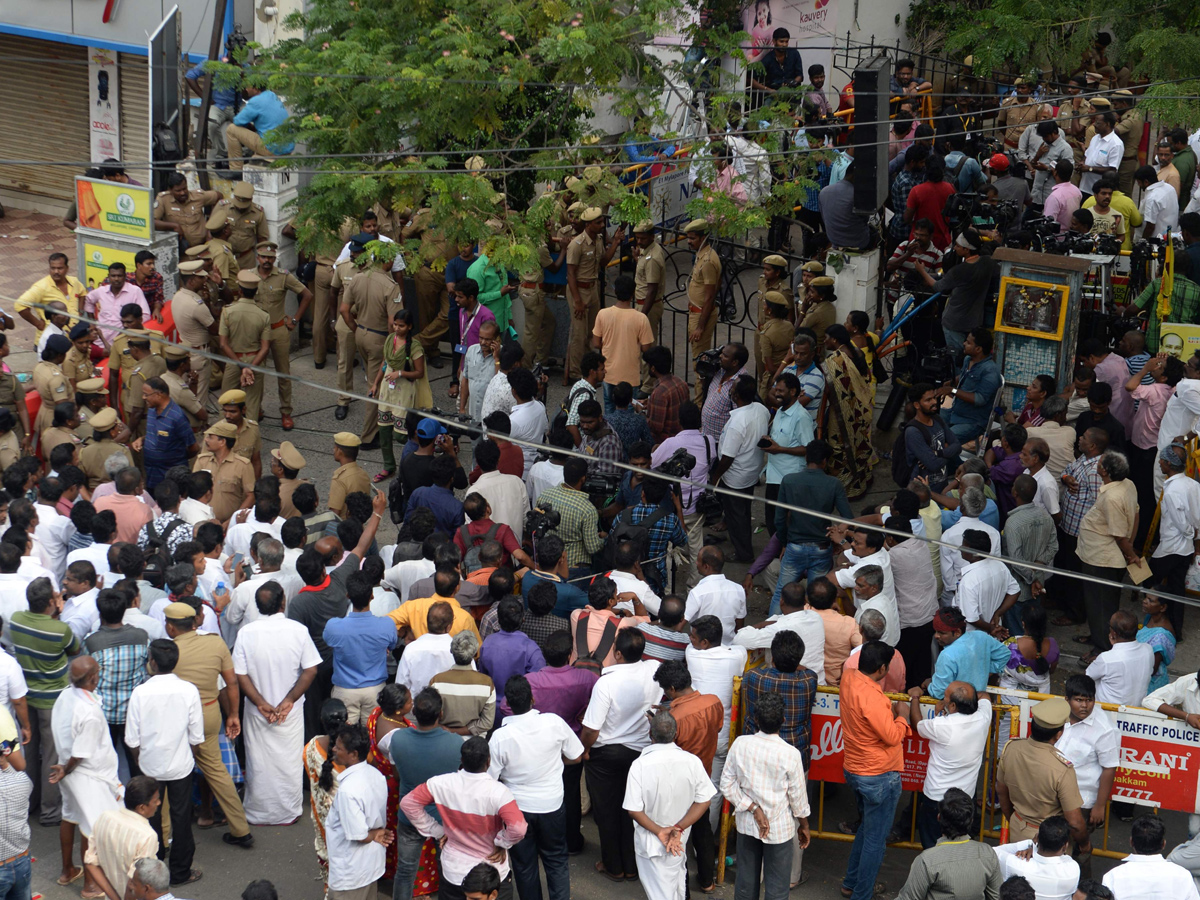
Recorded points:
(649,279)
(120,837)
(1106,544)
(841,632)
(180,385)
(1059,437)
(194,321)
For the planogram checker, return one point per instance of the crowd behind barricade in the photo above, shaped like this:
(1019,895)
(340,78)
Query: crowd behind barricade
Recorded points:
(553,632)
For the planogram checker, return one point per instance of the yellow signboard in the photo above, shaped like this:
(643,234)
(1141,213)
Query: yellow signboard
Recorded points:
(1181,341)
(123,209)
(97,259)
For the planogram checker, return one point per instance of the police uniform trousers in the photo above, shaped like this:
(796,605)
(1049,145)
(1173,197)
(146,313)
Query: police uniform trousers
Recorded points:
(370,345)
(581,328)
(202,366)
(322,311)
(281,349)
(346,351)
(254,393)
(208,759)
(433,308)
(1125,171)
(540,324)
(705,342)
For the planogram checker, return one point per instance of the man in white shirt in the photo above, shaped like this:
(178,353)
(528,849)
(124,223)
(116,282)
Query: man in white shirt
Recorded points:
(265,518)
(667,793)
(1178,528)
(355,832)
(1160,205)
(506,495)
(275,661)
(12,590)
(1122,674)
(614,733)
(765,785)
(242,610)
(740,462)
(716,595)
(1144,874)
(793,616)
(957,731)
(864,548)
(1092,743)
(916,597)
(972,503)
(163,724)
(713,666)
(1035,455)
(1181,415)
(79,599)
(1103,153)
(1050,870)
(54,530)
(528,752)
(429,654)
(527,420)
(370,232)
(1178,700)
(402,576)
(627,576)
(869,592)
(986,587)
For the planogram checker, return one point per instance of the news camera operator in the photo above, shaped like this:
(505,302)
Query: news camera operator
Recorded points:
(967,288)
(416,468)
(692,498)
(579,521)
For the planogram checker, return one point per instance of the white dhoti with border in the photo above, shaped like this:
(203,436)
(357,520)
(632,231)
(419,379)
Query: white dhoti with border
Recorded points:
(274,769)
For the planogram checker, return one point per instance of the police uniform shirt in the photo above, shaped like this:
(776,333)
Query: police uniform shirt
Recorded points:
(50,381)
(78,366)
(651,269)
(56,435)
(706,270)
(774,341)
(249,441)
(188,215)
(223,259)
(192,318)
(433,246)
(1129,130)
(10,449)
(370,297)
(347,480)
(233,479)
(584,253)
(1041,782)
(248,227)
(343,273)
(119,356)
(287,487)
(183,396)
(272,293)
(781,286)
(148,367)
(93,456)
(245,325)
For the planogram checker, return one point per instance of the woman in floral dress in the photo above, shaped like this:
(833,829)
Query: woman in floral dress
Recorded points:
(322,774)
(848,412)
(401,384)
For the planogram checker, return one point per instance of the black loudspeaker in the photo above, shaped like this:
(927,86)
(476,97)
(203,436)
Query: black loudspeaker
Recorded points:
(872,83)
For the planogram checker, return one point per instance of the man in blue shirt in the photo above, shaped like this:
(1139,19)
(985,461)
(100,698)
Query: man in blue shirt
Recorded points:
(169,439)
(970,656)
(791,430)
(261,114)
(220,112)
(976,389)
(440,495)
(551,558)
(360,643)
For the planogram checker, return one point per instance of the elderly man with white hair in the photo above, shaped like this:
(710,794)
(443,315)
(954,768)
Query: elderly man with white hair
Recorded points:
(112,467)
(972,503)
(468,696)
(150,880)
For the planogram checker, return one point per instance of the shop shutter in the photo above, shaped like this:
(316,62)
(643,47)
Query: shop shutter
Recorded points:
(43,115)
(135,115)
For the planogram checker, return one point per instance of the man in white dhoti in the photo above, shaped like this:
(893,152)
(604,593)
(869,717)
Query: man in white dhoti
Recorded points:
(86,772)
(667,792)
(275,661)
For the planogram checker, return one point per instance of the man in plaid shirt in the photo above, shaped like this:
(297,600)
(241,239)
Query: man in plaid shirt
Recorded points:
(579,525)
(667,530)
(794,683)
(669,394)
(599,440)
(121,651)
(1185,300)
(906,179)
(1082,486)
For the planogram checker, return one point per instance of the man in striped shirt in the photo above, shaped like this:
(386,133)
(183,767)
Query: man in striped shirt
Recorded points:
(479,820)
(42,645)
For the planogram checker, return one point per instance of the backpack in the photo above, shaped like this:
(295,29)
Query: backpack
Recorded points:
(639,534)
(560,417)
(904,471)
(593,661)
(156,541)
(396,500)
(471,557)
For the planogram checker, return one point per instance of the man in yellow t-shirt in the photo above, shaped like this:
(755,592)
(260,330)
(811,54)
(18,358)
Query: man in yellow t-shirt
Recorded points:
(58,285)
(621,333)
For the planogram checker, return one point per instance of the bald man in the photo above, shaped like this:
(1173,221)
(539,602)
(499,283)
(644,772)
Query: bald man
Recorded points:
(86,772)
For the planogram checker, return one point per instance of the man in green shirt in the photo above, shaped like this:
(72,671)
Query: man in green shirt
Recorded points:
(1185,301)
(494,290)
(42,645)
(1185,163)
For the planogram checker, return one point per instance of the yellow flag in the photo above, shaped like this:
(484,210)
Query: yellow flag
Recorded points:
(1167,287)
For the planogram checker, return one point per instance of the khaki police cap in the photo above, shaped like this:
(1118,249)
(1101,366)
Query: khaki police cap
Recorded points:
(696,225)
(822,281)
(232,397)
(223,429)
(475,164)
(200,251)
(289,456)
(593,174)
(591,214)
(570,181)
(1101,103)
(812,266)
(775,260)
(644,227)
(577,207)
(1123,93)
(266,248)
(175,351)
(775,297)
(103,420)
(90,386)
(243,191)
(138,336)
(347,439)
(220,215)
(191,266)
(179,611)
(1052,713)
(248,278)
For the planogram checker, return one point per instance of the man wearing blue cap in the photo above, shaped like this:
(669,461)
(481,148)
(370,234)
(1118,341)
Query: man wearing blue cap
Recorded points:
(416,469)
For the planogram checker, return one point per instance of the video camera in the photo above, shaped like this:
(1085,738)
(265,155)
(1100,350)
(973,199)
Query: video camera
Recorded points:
(1075,242)
(936,366)
(602,489)
(680,465)
(540,521)
(708,363)
(968,210)
(460,425)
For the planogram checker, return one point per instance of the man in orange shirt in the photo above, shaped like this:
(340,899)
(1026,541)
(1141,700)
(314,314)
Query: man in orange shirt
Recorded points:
(698,719)
(873,731)
(841,632)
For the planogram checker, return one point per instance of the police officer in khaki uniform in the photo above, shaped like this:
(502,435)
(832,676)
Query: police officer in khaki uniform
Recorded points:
(649,279)
(1017,112)
(1074,113)
(195,323)
(147,365)
(433,303)
(273,287)
(67,414)
(120,360)
(51,382)
(1129,130)
(540,323)
(350,476)
(775,338)
(810,270)
(182,211)
(772,279)
(817,310)
(90,397)
(179,385)
(245,333)
(586,256)
(220,226)
(286,463)
(343,273)
(249,441)
(248,225)
(367,307)
(702,289)
(324,308)
(104,444)
(78,364)
(1034,781)
(233,478)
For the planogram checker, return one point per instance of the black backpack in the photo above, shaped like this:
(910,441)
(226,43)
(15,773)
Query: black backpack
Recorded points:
(156,541)
(639,534)
(593,661)
(904,471)
(560,417)
(471,557)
